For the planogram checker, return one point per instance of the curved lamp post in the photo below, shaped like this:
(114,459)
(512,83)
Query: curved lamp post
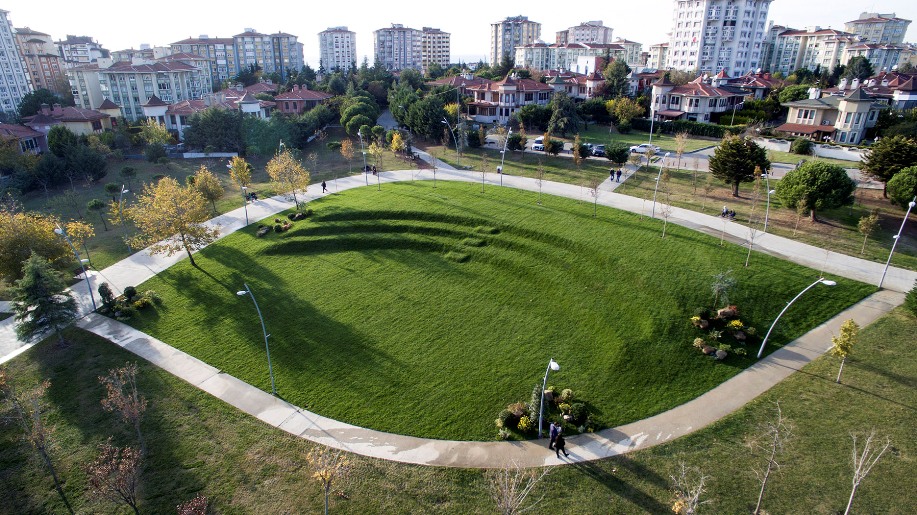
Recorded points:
(458,155)
(910,205)
(503,156)
(658,176)
(360,134)
(270,368)
(821,280)
(552,365)
(60,232)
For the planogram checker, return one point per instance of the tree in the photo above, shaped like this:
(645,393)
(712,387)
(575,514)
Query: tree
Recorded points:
(112,189)
(61,141)
(735,160)
(843,343)
(564,116)
(209,185)
(511,486)
(688,487)
(31,102)
(21,234)
(902,187)
(170,218)
(41,300)
(128,173)
(27,409)
(793,93)
(79,232)
(215,130)
(88,163)
(866,226)
(328,465)
(616,82)
(285,169)
(723,284)
(347,152)
(122,397)
(626,109)
(397,145)
(770,442)
(681,144)
(553,146)
(617,153)
(858,67)
(153,132)
(681,77)
(821,185)
(240,172)
(593,186)
(115,474)
(888,156)
(98,206)
(864,462)
(539,178)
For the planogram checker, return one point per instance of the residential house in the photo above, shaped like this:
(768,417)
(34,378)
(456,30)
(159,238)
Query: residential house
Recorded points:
(697,100)
(892,89)
(576,85)
(497,102)
(299,100)
(29,139)
(758,84)
(176,116)
(843,119)
(41,60)
(78,120)
(145,53)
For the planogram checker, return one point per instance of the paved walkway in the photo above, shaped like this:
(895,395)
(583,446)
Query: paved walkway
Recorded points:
(666,426)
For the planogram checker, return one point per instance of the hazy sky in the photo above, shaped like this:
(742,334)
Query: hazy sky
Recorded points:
(159,24)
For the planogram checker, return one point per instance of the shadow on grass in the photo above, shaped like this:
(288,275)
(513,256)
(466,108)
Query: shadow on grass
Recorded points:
(623,489)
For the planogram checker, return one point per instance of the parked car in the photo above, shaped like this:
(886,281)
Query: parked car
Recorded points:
(538,144)
(644,148)
(598,150)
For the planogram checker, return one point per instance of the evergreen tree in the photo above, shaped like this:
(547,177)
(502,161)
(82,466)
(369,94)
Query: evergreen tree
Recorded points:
(735,160)
(41,300)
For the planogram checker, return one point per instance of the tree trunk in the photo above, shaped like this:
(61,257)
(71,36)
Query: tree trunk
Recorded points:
(812,215)
(214,204)
(863,249)
(105,225)
(295,200)
(850,502)
(735,189)
(838,380)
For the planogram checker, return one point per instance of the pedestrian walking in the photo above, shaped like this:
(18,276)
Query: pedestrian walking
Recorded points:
(324,187)
(560,446)
(611,175)
(618,176)
(553,432)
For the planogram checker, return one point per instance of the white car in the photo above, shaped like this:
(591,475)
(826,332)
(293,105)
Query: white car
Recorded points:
(538,144)
(644,148)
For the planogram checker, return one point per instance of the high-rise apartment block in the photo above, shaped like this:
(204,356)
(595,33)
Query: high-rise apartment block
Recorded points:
(506,35)
(879,28)
(715,35)
(435,48)
(14,82)
(399,47)
(80,50)
(658,57)
(811,48)
(274,53)
(591,32)
(632,52)
(130,86)
(41,59)
(337,48)
(220,51)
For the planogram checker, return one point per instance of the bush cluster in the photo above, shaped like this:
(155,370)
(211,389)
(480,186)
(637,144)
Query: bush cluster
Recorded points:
(693,128)
(520,419)
(725,332)
(128,303)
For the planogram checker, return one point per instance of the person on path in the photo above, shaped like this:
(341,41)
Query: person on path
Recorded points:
(560,446)
(725,212)
(611,175)
(324,187)
(618,176)
(553,432)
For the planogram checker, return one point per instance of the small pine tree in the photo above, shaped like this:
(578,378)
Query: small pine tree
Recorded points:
(41,300)
(910,300)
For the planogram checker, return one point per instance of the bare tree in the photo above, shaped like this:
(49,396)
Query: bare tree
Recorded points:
(866,226)
(328,465)
(696,169)
(723,283)
(594,184)
(26,409)
(864,461)
(709,186)
(483,169)
(539,177)
(511,486)
(115,474)
(433,155)
(121,396)
(666,208)
(689,486)
(769,443)
(681,144)
(801,209)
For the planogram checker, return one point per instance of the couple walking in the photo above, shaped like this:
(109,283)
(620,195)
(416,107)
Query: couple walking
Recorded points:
(558,444)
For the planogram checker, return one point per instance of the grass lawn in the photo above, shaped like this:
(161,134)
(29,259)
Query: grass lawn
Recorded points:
(776,156)
(372,299)
(835,230)
(197,444)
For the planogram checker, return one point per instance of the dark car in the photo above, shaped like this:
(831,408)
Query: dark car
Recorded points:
(598,150)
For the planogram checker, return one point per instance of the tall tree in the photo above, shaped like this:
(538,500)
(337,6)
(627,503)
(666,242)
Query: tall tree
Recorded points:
(288,171)
(819,184)
(240,172)
(564,116)
(858,67)
(209,185)
(171,218)
(41,300)
(617,153)
(347,152)
(21,234)
(735,160)
(616,82)
(61,141)
(115,474)
(31,102)
(122,397)
(626,109)
(216,130)
(152,132)
(889,156)
(79,233)
(842,344)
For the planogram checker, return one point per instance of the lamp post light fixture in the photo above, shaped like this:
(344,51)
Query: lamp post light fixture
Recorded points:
(658,177)
(897,237)
(552,365)
(734,107)
(503,155)
(652,119)
(60,232)
(455,139)
(267,348)
(245,202)
(362,151)
(121,213)
(767,209)
(821,280)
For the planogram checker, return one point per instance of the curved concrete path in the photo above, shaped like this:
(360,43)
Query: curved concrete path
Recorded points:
(661,428)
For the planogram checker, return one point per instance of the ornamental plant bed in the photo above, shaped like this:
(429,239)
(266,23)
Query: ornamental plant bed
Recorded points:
(722,334)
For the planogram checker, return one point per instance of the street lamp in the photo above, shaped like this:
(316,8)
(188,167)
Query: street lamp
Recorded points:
(248,291)
(910,205)
(652,119)
(821,280)
(360,134)
(658,176)
(734,107)
(60,232)
(121,214)
(767,209)
(245,202)
(457,154)
(552,365)
(503,156)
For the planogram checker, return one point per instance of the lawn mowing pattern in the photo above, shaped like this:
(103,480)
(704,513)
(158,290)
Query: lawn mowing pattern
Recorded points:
(372,325)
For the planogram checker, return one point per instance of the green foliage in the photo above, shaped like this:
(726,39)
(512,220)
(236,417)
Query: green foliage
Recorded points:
(154,152)
(474,139)
(25,233)
(910,300)
(888,156)
(354,125)
(41,300)
(617,153)
(902,187)
(219,129)
(564,116)
(594,110)
(736,159)
(693,128)
(61,141)
(801,146)
(106,296)
(858,67)
(818,185)
(793,93)
(31,102)
(553,146)
(616,82)
(534,117)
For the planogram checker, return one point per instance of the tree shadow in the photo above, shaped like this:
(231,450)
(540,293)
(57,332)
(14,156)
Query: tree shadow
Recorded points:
(598,473)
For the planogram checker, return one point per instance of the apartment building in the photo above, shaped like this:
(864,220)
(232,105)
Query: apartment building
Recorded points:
(130,86)
(633,52)
(658,58)
(586,32)
(145,53)
(811,48)
(337,48)
(84,84)
(882,57)
(714,35)
(220,51)
(274,53)
(39,55)
(883,29)
(15,83)
(564,57)
(399,47)
(80,50)
(506,35)
(436,48)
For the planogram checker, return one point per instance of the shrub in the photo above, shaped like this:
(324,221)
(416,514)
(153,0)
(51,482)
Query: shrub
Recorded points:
(474,139)
(566,395)
(735,325)
(106,295)
(563,407)
(123,312)
(525,424)
(534,404)
(154,152)
(334,146)
(142,302)
(725,347)
(740,351)
(751,331)
(505,419)
(278,228)
(152,296)
(503,434)
(292,216)
(578,413)
(702,312)
(624,128)
(699,343)
(801,146)
(715,335)
(129,293)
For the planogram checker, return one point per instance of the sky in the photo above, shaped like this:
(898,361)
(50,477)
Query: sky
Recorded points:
(469,26)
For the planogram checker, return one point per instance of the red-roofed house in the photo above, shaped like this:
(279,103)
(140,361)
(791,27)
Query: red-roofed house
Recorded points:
(299,100)
(80,121)
(697,100)
(839,118)
(29,139)
(496,102)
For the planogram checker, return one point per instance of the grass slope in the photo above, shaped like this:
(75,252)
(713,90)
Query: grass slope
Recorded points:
(372,324)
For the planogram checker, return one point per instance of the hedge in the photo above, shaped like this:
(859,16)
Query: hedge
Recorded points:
(692,128)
